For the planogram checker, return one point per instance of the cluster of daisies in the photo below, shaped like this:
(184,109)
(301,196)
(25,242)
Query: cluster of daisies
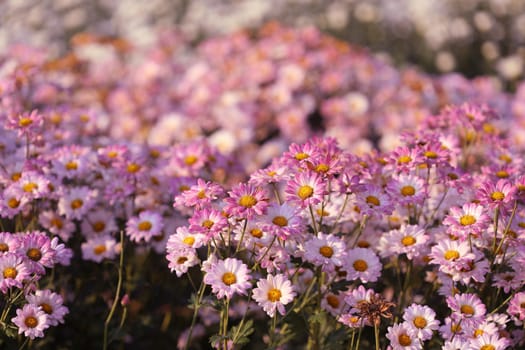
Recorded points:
(251,161)
(425,243)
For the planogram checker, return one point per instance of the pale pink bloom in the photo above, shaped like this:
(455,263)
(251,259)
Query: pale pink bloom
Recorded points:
(31,321)
(98,248)
(273,293)
(51,303)
(228,277)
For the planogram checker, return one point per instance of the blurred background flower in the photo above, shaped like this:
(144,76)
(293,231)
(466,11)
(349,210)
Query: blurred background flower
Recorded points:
(470,36)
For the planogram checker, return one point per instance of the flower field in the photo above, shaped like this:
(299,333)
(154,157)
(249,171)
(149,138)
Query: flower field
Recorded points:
(266,189)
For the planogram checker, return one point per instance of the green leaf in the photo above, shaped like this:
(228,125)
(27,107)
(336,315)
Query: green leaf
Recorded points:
(240,333)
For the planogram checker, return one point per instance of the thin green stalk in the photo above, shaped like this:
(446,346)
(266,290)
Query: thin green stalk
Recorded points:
(376,335)
(242,235)
(117,292)
(197,306)
(314,224)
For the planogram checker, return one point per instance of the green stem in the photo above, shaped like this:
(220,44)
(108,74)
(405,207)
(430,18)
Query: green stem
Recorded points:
(197,306)
(117,292)
(376,335)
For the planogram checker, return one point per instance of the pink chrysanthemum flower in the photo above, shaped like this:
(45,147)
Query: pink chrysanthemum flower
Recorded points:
(208,221)
(451,256)
(26,124)
(31,321)
(467,308)
(36,247)
(144,226)
(496,195)
(63,255)
(8,243)
(404,159)
(181,258)
(51,303)
(12,202)
(403,337)
(273,293)
(333,303)
(184,237)
(373,200)
(517,307)
(13,272)
(306,188)
(361,263)
(351,320)
(489,341)
(407,189)
(71,162)
(98,248)
(199,195)
(99,222)
(409,239)
(327,251)
(275,173)
(282,221)
(56,224)
(422,319)
(228,277)
(75,202)
(469,219)
(246,201)
(32,185)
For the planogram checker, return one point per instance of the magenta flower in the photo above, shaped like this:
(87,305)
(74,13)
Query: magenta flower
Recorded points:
(13,272)
(282,221)
(306,188)
(144,226)
(246,201)
(497,195)
(51,303)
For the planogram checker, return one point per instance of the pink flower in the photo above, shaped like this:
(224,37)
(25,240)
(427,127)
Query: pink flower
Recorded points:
(273,293)
(306,188)
(13,272)
(199,195)
(403,337)
(409,239)
(361,263)
(422,319)
(470,219)
(75,202)
(208,221)
(327,251)
(144,226)
(181,258)
(98,248)
(228,277)
(497,195)
(282,221)
(466,307)
(31,321)
(36,248)
(516,307)
(51,303)
(246,201)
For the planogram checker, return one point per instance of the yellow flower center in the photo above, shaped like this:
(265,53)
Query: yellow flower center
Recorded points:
(190,160)
(46,308)
(16,176)
(274,295)
(487,347)
(502,174)
(76,204)
(419,322)
(201,194)
(404,159)
(10,272)
(56,222)
(229,278)
(451,255)
(467,220)
(31,322)
(207,223)
(404,339)
(301,156)
(34,254)
(133,168)
(431,154)
(4,248)
(333,301)
(280,221)
(322,168)
(256,232)
(305,191)
(373,200)
(98,226)
(455,328)
(182,260)
(99,249)
(408,191)
(188,240)
(478,332)
(322,212)
(360,265)
(467,309)
(29,187)
(144,226)
(408,241)
(13,203)
(23,122)
(72,165)
(497,196)
(326,251)
(247,201)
